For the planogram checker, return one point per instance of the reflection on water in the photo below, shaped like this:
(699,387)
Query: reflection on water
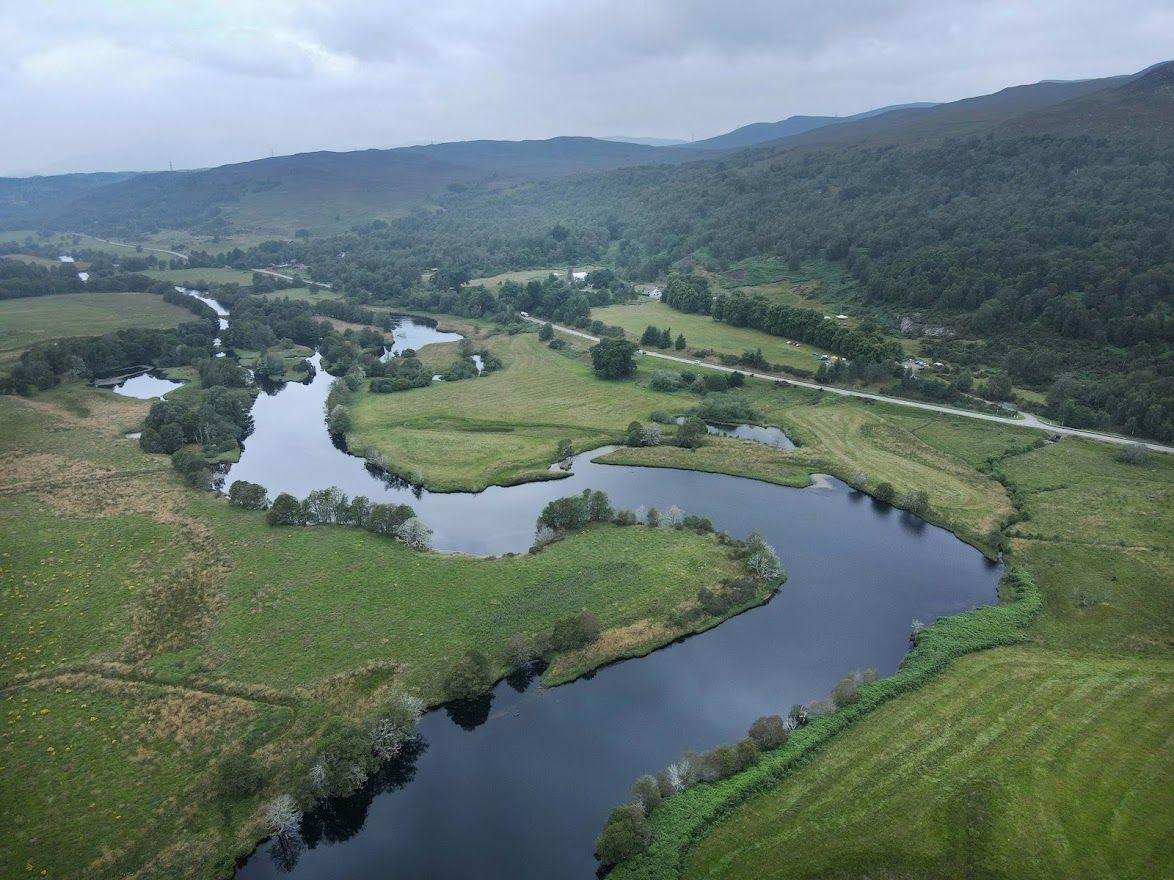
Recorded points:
(146,386)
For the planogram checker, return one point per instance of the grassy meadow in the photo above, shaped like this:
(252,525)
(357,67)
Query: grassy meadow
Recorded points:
(504,427)
(210,275)
(701,331)
(27,321)
(133,609)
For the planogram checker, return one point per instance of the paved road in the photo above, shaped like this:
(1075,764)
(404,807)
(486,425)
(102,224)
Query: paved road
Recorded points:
(289,277)
(131,246)
(1027,420)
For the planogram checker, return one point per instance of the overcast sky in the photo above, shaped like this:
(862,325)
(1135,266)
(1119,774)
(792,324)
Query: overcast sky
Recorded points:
(113,84)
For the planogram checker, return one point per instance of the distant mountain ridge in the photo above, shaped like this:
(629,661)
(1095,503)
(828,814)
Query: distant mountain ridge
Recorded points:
(761,132)
(330,191)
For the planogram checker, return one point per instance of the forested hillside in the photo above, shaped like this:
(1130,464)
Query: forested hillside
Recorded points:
(1053,255)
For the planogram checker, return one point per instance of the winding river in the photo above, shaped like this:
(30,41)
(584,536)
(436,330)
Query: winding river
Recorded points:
(517,785)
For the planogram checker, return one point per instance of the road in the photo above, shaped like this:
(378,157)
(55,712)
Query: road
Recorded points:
(289,277)
(1026,421)
(131,246)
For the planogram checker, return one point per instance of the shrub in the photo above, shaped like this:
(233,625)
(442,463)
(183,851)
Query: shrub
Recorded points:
(468,677)
(884,492)
(1134,453)
(192,466)
(728,408)
(663,380)
(660,417)
(625,834)
(546,332)
(691,433)
(845,693)
(769,732)
(239,776)
(575,631)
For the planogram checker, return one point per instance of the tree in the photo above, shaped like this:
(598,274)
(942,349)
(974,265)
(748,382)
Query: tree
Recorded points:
(666,338)
(915,501)
(997,387)
(651,435)
(652,517)
(635,434)
(680,343)
(415,534)
(763,560)
(691,433)
(769,732)
(565,450)
(650,337)
(565,514)
(598,506)
(673,517)
(845,692)
(546,332)
(646,793)
(248,495)
(884,492)
(468,677)
(397,725)
(339,420)
(285,511)
(282,816)
(625,834)
(614,358)
(386,519)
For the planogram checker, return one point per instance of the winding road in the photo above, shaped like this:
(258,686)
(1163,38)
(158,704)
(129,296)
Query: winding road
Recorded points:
(1027,420)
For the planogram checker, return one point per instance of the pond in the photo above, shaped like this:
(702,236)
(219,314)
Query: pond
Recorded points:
(766,435)
(517,785)
(146,386)
(414,333)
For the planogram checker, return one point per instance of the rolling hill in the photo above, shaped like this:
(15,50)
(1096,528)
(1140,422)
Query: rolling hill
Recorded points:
(761,132)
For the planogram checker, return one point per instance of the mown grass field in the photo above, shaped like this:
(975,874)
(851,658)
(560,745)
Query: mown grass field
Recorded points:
(209,275)
(29,320)
(133,609)
(1020,763)
(702,331)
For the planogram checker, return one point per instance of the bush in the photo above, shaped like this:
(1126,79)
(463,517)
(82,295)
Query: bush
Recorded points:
(691,433)
(728,408)
(574,632)
(845,693)
(1134,453)
(625,834)
(884,492)
(546,332)
(468,677)
(192,467)
(916,502)
(663,380)
(239,776)
(660,417)
(769,732)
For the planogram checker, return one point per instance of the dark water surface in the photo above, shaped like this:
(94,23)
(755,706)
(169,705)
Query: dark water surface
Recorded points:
(518,785)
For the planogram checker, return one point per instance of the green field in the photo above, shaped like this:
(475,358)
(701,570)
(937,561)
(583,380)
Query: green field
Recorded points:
(133,609)
(504,427)
(702,331)
(29,320)
(1020,763)
(214,275)
(524,275)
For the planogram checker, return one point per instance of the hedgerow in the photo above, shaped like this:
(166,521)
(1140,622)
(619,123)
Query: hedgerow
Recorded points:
(681,820)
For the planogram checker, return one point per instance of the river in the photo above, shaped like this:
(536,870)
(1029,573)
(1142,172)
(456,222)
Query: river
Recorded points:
(518,784)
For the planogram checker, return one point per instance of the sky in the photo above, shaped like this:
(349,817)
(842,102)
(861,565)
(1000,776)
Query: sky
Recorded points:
(88,85)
